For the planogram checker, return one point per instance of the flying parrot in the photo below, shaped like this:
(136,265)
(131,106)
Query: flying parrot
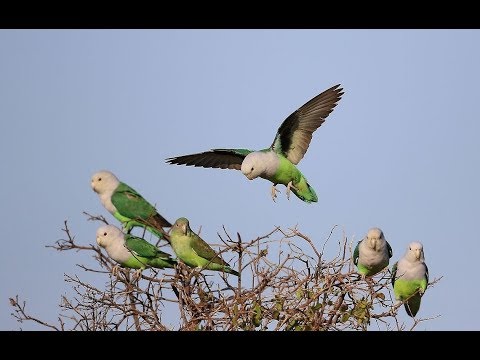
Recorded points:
(278,162)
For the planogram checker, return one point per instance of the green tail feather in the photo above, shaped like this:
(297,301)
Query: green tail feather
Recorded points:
(162,263)
(129,225)
(306,192)
(231,271)
(413,305)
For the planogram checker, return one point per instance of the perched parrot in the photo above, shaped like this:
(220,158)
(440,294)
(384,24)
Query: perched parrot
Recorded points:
(131,251)
(276,163)
(410,278)
(193,251)
(127,205)
(372,254)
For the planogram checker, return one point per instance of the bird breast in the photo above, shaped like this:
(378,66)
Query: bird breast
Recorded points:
(106,199)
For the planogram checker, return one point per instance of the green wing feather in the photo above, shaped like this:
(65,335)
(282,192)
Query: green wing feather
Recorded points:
(356,253)
(131,204)
(394,273)
(204,250)
(216,158)
(143,248)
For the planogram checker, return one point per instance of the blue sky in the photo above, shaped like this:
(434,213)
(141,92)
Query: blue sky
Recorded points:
(400,151)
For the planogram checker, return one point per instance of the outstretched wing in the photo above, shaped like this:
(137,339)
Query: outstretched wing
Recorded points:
(294,135)
(143,248)
(132,205)
(215,158)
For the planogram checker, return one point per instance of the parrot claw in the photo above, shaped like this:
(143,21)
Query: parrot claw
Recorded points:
(137,274)
(274,192)
(289,187)
(362,277)
(115,270)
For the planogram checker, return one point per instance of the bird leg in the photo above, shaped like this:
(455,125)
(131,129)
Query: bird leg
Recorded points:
(127,227)
(289,186)
(395,307)
(115,270)
(274,192)
(369,282)
(137,274)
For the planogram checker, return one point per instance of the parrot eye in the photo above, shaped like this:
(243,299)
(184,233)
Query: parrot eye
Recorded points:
(252,168)
(104,234)
(99,179)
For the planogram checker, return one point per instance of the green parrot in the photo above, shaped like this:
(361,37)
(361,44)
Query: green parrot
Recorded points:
(372,254)
(131,251)
(193,250)
(276,163)
(127,205)
(410,278)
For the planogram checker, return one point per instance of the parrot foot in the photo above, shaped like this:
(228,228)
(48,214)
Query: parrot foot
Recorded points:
(127,227)
(290,186)
(197,270)
(393,310)
(137,274)
(397,304)
(361,277)
(274,192)
(115,270)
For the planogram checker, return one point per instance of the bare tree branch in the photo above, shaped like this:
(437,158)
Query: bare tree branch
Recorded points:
(282,286)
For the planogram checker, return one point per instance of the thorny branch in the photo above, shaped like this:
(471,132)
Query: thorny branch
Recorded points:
(291,288)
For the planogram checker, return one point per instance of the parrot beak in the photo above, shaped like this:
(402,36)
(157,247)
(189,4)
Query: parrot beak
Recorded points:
(184,229)
(418,253)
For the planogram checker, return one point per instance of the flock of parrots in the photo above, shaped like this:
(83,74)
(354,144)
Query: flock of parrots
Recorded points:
(277,164)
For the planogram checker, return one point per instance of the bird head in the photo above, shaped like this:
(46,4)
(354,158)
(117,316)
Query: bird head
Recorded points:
(415,251)
(374,238)
(181,227)
(107,234)
(103,181)
(252,165)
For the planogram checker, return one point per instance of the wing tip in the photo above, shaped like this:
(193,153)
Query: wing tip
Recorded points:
(339,91)
(178,162)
